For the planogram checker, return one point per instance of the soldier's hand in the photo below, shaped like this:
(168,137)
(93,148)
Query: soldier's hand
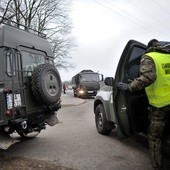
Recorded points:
(122,86)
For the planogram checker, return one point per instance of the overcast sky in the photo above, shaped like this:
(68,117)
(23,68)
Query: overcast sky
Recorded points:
(103,27)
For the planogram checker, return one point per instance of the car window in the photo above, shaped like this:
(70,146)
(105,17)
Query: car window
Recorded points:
(11,64)
(134,61)
(136,52)
(133,68)
(30,60)
(90,77)
(12,61)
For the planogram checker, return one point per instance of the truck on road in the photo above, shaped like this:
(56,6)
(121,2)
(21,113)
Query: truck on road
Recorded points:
(86,83)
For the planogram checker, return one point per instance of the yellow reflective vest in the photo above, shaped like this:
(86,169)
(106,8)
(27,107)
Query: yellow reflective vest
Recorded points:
(159,92)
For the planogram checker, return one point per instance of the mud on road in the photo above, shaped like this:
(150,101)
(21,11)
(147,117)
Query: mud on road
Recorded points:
(21,163)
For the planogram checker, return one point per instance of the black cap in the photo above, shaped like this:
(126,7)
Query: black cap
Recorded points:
(152,43)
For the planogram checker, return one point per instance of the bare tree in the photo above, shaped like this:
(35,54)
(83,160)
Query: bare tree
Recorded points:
(46,16)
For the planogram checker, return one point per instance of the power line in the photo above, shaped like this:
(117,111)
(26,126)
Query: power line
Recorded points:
(148,14)
(146,26)
(139,22)
(164,9)
(111,10)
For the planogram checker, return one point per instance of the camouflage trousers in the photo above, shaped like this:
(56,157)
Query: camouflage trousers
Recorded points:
(155,134)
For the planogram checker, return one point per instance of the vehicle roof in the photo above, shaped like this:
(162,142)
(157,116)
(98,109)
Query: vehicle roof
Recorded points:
(14,37)
(87,72)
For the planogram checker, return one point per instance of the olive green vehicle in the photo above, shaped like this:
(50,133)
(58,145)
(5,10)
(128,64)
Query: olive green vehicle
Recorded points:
(30,85)
(125,112)
(86,83)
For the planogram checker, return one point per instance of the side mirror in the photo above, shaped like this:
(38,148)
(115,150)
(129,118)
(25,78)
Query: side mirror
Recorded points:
(101,77)
(109,81)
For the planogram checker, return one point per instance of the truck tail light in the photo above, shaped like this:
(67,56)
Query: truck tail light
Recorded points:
(9,112)
(7,90)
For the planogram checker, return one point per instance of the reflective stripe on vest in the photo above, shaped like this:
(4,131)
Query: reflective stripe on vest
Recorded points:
(159,92)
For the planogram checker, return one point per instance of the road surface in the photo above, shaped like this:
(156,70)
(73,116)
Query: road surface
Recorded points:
(75,143)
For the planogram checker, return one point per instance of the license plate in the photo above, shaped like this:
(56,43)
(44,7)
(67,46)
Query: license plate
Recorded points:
(90,91)
(17,100)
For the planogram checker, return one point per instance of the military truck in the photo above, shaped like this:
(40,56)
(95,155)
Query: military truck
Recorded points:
(86,83)
(30,85)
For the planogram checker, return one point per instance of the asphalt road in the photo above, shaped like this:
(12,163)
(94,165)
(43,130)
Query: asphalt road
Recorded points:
(75,143)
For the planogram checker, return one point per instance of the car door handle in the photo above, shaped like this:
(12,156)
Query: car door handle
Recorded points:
(123,108)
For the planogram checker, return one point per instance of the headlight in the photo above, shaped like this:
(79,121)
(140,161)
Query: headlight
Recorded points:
(81,91)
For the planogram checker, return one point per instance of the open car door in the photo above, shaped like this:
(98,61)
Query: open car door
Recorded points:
(130,108)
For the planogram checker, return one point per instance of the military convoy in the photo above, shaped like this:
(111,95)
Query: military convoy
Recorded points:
(30,85)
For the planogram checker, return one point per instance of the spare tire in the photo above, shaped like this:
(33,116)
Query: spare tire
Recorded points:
(46,84)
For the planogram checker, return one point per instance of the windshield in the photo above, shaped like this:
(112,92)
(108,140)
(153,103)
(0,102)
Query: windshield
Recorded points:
(30,60)
(89,77)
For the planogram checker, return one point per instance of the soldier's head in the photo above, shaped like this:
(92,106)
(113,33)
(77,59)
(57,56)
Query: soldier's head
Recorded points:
(152,43)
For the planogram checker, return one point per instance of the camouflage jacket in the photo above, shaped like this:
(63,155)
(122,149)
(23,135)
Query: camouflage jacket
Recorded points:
(147,74)
(147,70)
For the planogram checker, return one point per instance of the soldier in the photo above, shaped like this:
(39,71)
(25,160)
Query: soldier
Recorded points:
(154,76)
(64,88)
